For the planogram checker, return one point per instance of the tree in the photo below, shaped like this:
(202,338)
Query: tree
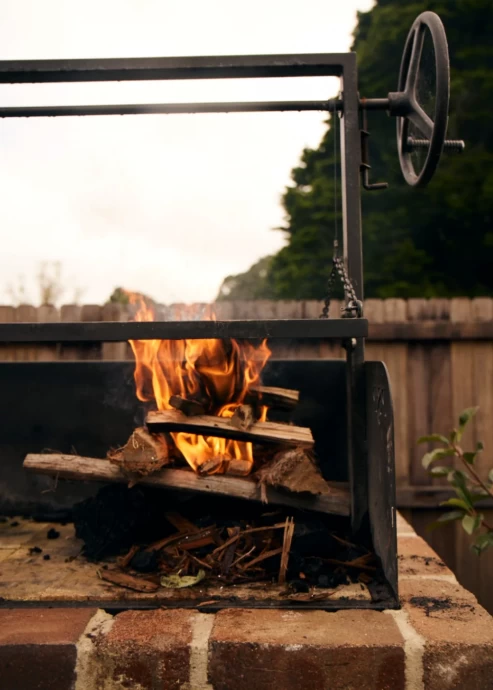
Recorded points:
(253,284)
(432,242)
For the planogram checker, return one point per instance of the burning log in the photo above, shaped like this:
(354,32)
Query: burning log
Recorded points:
(234,466)
(188,407)
(294,470)
(143,454)
(220,427)
(273,397)
(335,501)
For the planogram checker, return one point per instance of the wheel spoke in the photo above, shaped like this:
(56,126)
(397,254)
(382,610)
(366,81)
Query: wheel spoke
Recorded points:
(421,120)
(412,72)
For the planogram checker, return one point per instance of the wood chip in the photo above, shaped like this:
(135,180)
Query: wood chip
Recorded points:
(129,581)
(286,549)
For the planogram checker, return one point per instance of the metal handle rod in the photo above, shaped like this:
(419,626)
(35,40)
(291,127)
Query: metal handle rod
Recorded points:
(188,108)
(164,108)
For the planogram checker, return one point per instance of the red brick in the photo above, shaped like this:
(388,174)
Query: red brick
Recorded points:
(37,647)
(458,634)
(146,649)
(417,558)
(291,650)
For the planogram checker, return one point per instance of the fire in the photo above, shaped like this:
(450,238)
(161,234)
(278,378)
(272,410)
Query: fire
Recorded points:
(218,373)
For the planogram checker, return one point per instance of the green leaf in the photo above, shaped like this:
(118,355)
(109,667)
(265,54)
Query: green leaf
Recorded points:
(455,436)
(451,516)
(469,523)
(490,476)
(439,471)
(433,438)
(478,495)
(436,454)
(483,542)
(479,446)
(469,458)
(466,416)
(458,479)
(181,581)
(455,503)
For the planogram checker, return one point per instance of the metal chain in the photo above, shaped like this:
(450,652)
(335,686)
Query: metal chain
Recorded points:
(354,306)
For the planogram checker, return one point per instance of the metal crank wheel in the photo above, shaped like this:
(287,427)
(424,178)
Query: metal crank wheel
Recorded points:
(422,101)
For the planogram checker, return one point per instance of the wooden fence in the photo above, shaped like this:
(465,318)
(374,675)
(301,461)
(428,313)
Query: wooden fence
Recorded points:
(439,354)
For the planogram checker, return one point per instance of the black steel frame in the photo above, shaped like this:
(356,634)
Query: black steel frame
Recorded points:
(342,65)
(351,331)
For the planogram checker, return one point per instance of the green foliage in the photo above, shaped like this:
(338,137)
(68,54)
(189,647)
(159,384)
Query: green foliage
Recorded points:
(417,243)
(253,284)
(469,487)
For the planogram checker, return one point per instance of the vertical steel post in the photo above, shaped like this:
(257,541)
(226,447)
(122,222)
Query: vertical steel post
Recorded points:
(353,257)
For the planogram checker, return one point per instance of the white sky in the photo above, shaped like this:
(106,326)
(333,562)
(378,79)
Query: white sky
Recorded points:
(166,205)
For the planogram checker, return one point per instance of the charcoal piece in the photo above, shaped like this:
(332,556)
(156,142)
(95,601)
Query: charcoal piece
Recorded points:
(35,549)
(52,533)
(62,516)
(116,518)
(299,586)
(311,539)
(14,524)
(46,557)
(144,561)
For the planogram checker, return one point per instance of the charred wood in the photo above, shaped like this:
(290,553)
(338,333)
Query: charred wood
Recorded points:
(266,432)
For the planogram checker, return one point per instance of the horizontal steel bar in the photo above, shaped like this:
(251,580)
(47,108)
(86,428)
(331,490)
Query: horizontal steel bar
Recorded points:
(101,331)
(169,108)
(330,105)
(156,68)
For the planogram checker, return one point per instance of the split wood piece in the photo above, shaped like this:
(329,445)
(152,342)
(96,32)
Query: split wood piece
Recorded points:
(274,397)
(142,454)
(129,581)
(188,407)
(286,549)
(294,470)
(336,501)
(268,432)
(243,417)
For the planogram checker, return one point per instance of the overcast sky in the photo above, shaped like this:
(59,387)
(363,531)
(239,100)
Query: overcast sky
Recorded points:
(166,205)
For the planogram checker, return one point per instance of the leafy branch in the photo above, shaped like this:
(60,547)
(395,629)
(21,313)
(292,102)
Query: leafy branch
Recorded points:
(470,488)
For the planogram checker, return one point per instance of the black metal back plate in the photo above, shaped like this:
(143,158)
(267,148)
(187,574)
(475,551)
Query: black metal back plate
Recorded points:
(88,407)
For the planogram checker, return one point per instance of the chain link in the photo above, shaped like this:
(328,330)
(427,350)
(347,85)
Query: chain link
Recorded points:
(353,307)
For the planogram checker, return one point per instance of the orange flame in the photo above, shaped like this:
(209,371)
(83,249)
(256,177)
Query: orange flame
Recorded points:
(216,372)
